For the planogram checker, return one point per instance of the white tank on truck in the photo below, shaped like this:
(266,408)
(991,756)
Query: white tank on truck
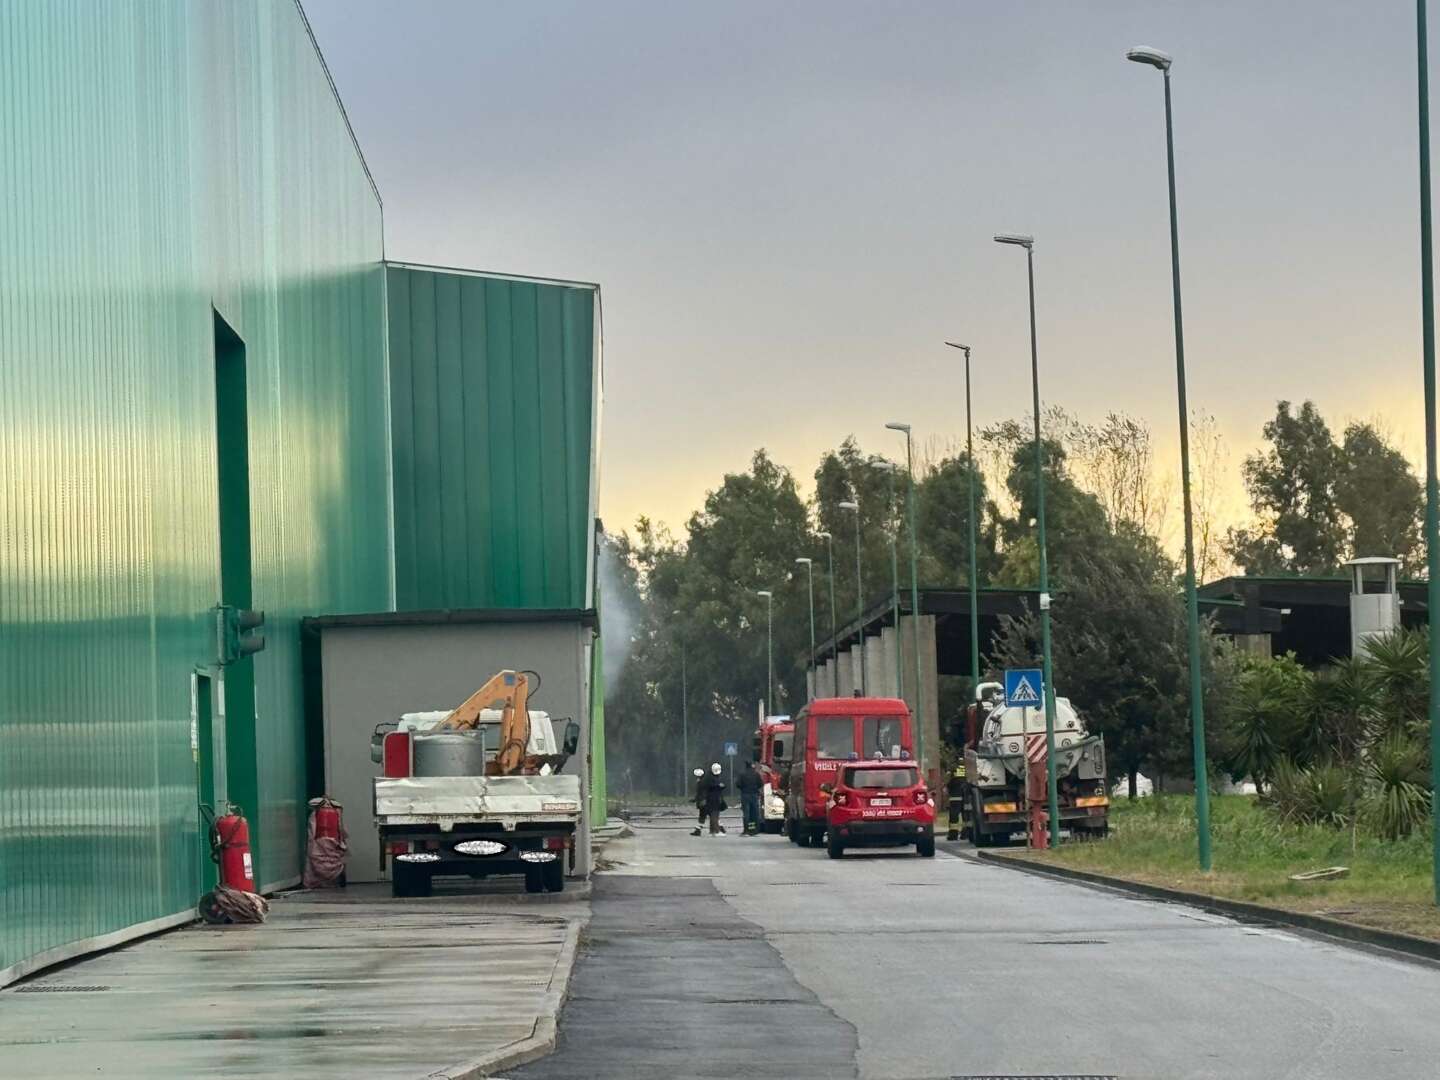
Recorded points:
(994,800)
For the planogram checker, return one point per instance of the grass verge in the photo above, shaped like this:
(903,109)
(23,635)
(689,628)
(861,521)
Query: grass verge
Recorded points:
(1153,841)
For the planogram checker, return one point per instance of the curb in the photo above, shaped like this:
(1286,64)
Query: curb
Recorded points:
(1406,946)
(542,1039)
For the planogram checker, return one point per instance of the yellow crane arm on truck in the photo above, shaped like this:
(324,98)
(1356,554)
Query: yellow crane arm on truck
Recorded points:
(509,692)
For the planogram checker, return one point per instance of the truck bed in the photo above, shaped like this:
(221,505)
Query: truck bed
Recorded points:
(447,801)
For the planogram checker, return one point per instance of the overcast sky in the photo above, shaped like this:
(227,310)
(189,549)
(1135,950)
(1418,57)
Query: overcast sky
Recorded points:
(789,206)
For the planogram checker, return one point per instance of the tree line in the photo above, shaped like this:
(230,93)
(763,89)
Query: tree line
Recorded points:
(684,629)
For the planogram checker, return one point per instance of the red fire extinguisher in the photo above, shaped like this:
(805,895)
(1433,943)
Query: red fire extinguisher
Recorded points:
(230,848)
(327,818)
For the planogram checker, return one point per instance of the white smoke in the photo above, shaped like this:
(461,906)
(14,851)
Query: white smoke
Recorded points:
(619,616)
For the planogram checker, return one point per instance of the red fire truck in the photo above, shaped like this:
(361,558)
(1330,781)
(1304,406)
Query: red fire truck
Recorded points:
(772,750)
(830,733)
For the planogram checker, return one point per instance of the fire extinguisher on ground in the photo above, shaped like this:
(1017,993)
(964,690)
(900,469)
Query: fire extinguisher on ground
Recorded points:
(230,849)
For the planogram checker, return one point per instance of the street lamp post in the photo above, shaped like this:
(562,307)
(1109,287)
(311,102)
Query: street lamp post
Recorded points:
(1157,59)
(1053,801)
(914,592)
(769,650)
(684,716)
(974,571)
(859,597)
(1432,483)
(834,631)
(895,587)
(809,565)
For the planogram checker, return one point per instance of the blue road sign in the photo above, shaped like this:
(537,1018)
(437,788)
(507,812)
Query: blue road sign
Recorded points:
(1022,687)
(731,749)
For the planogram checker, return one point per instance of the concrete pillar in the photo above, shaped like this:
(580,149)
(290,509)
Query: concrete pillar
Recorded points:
(824,676)
(875,667)
(886,648)
(930,722)
(845,664)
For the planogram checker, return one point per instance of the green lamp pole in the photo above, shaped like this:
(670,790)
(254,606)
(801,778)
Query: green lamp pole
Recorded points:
(1157,59)
(1028,243)
(896,425)
(769,650)
(684,716)
(974,562)
(859,599)
(809,565)
(895,586)
(834,629)
(1432,484)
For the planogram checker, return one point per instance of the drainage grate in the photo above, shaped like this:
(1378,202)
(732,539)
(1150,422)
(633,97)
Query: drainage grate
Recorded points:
(788,884)
(1036,1076)
(45,988)
(1070,941)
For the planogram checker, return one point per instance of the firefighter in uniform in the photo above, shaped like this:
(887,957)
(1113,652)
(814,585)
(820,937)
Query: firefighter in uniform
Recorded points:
(955,796)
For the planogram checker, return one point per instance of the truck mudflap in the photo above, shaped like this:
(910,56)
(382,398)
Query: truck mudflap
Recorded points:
(508,799)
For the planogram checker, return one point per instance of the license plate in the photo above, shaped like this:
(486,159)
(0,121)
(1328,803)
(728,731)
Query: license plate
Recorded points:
(881,802)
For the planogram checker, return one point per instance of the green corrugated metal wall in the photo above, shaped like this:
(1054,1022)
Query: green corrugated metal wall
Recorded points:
(493,402)
(158,158)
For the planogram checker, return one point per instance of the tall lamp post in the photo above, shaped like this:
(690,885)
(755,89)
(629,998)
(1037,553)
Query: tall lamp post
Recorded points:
(834,630)
(1432,483)
(859,598)
(684,716)
(896,425)
(974,562)
(895,585)
(1157,59)
(809,565)
(769,649)
(1028,243)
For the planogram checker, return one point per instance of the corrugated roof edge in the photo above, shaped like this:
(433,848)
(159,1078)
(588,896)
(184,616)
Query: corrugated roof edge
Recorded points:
(455,617)
(471,272)
(339,102)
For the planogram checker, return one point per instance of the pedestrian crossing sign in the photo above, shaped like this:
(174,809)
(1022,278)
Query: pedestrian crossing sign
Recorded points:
(1022,687)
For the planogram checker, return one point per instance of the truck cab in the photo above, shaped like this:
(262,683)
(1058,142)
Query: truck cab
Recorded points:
(772,749)
(879,803)
(829,733)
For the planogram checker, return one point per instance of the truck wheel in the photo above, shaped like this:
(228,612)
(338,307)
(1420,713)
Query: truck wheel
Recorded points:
(534,879)
(800,834)
(833,847)
(554,876)
(400,880)
(925,847)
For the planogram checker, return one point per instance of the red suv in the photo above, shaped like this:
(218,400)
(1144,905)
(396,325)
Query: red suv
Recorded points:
(879,804)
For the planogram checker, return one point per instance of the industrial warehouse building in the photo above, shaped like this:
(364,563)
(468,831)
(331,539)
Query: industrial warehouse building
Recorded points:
(213,390)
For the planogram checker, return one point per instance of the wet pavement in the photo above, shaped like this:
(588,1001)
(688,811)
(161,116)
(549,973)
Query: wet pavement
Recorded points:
(344,984)
(740,956)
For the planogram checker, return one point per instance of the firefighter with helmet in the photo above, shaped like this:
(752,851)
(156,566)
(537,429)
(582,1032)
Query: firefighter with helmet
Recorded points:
(955,797)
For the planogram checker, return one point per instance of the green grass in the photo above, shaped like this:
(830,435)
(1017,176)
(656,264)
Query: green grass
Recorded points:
(1153,841)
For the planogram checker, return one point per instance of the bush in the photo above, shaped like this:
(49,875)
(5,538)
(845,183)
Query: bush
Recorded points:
(1398,802)
(1322,794)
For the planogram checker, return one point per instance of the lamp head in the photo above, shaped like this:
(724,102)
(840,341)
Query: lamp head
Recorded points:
(896,425)
(1144,54)
(804,561)
(849,506)
(957,345)
(765,593)
(824,536)
(1019,239)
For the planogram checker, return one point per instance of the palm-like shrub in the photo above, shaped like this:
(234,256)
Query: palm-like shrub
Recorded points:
(1398,802)
(1339,713)
(1399,663)
(1321,794)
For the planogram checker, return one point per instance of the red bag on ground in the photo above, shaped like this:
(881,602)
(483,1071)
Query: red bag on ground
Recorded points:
(325,845)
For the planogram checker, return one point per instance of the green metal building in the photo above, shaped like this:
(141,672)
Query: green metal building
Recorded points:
(196,395)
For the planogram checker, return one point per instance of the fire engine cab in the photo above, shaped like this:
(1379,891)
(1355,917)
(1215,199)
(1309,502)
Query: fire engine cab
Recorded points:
(879,803)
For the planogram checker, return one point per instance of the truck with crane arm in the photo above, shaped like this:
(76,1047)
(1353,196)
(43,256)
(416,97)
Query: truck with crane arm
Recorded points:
(477,791)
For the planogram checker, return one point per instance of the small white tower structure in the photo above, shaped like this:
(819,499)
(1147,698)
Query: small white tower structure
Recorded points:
(1374,613)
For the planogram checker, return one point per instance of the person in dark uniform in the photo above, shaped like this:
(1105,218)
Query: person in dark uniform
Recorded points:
(699,801)
(955,796)
(714,799)
(750,784)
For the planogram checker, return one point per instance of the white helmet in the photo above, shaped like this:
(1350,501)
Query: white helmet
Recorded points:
(715,768)
(699,772)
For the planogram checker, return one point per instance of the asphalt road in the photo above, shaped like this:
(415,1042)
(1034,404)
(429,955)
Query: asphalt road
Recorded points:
(736,956)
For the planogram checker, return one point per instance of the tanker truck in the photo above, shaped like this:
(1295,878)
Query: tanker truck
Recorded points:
(993,804)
